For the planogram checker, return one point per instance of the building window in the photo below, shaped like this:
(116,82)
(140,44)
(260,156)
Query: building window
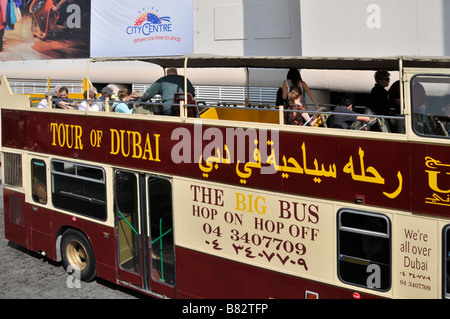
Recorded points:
(364,249)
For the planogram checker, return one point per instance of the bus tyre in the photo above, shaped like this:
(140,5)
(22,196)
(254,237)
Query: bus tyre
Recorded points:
(77,255)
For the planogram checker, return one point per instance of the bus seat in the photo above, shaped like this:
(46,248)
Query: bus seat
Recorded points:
(241,114)
(322,118)
(191,111)
(141,110)
(383,125)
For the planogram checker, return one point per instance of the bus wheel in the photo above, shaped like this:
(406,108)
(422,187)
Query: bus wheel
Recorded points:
(77,255)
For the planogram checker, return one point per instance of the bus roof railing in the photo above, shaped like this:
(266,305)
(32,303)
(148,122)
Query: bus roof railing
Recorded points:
(142,107)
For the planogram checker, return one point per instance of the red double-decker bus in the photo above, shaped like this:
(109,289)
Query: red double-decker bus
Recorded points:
(234,203)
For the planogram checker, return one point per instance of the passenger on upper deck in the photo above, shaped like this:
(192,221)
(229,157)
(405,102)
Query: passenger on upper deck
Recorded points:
(444,117)
(56,91)
(65,102)
(422,122)
(44,103)
(298,118)
(88,105)
(167,86)
(379,99)
(342,120)
(121,107)
(107,93)
(397,126)
(293,77)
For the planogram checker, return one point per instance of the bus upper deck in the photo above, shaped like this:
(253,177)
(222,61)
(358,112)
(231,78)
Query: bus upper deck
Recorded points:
(275,114)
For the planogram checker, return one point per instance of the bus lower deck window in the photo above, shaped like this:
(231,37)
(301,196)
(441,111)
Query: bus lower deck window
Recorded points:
(446,265)
(39,181)
(79,188)
(364,249)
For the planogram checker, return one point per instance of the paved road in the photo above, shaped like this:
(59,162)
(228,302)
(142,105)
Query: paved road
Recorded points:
(24,274)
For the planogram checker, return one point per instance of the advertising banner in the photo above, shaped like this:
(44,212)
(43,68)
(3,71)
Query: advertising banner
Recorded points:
(44,29)
(141,28)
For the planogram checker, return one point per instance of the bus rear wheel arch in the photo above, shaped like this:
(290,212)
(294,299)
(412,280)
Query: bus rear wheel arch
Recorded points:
(77,255)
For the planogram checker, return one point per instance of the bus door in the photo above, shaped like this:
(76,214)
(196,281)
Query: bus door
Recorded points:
(144,232)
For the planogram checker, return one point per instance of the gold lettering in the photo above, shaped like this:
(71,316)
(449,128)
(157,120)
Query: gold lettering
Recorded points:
(63,135)
(53,128)
(130,143)
(78,134)
(250,204)
(122,139)
(240,201)
(137,145)
(96,138)
(148,149)
(260,209)
(114,137)
(433,181)
(68,135)
(157,147)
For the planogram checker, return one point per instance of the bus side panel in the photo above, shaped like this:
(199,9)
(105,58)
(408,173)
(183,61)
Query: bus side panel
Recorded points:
(14,129)
(100,237)
(41,234)
(205,276)
(16,221)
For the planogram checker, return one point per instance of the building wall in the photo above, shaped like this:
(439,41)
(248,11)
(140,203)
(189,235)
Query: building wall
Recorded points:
(282,28)
(248,27)
(375,28)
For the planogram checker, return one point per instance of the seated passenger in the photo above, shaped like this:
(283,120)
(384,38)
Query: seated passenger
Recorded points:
(379,98)
(444,117)
(106,93)
(342,120)
(121,107)
(44,103)
(396,125)
(298,118)
(88,105)
(422,122)
(65,102)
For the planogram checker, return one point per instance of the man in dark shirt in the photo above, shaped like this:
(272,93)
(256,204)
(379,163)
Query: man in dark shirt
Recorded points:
(343,120)
(167,86)
(65,102)
(379,98)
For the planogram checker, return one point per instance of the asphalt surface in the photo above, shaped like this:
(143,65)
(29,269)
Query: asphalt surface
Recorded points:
(27,275)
